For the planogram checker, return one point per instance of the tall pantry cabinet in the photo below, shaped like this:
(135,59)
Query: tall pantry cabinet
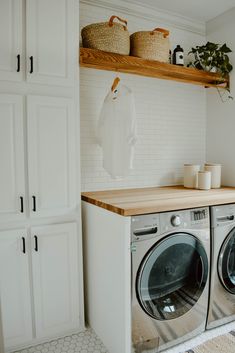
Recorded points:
(40,241)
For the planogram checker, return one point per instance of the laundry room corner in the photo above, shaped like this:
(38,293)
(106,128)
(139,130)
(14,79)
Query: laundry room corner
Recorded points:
(171,116)
(117,181)
(220,122)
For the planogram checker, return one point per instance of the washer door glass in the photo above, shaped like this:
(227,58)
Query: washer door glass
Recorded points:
(226,262)
(172,276)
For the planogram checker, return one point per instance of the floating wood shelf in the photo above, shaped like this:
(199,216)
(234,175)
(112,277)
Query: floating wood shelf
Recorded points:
(101,60)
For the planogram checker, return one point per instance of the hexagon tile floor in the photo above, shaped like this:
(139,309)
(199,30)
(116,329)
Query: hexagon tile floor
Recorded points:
(83,342)
(88,342)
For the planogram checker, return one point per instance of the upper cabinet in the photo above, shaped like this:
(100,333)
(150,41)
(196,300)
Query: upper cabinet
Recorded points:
(11,40)
(49,57)
(49,41)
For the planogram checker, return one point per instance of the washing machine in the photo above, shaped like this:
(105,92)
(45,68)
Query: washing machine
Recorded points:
(170,267)
(222,284)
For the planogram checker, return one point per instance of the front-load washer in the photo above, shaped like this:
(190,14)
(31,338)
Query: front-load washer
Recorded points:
(222,284)
(170,266)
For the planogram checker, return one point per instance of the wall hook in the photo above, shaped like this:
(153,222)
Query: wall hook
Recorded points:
(115,83)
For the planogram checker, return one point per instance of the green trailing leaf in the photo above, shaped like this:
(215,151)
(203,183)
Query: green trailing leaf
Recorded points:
(225,49)
(212,56)
(211,46)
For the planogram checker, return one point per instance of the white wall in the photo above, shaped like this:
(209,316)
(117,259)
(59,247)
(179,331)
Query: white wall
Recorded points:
(1,334)
(221,116)
(171,116)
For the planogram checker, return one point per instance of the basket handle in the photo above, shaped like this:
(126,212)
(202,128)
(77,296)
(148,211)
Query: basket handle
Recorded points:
(162,30)
(115,83)
(112,18)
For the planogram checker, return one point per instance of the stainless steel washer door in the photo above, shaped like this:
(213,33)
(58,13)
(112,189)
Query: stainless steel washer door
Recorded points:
(226,262)
(172,276)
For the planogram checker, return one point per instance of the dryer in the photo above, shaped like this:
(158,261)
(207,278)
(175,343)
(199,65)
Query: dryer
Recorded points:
(222,284)
(170,267)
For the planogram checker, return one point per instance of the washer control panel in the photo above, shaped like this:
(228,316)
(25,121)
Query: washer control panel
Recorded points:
(145,227)
(176,220)
(197,218)
(153,225)
(198,215)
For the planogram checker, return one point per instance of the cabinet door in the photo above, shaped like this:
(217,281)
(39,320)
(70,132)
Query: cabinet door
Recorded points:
(55,279)
(51,156)
(11,40)
(14,288)
(50,41)
(12,184)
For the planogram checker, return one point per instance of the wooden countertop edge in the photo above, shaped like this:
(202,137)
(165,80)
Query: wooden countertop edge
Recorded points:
(181,206)
(163,203)
(109,207)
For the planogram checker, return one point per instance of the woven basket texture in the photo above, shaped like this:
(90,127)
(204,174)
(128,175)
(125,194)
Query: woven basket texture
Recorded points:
(101,36)
(150,45)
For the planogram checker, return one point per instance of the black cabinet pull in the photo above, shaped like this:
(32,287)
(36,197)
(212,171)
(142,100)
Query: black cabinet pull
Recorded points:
(34,203)
(36,243)
(23,250)
(31,64)
(21,204)
(18,63)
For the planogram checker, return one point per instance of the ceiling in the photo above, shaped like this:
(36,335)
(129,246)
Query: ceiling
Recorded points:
(202,10)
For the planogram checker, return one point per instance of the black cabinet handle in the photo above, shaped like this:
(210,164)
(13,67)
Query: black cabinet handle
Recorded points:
(23,250)
(18,63)
(21,204)
(31,64)
(34,203)
(36,243)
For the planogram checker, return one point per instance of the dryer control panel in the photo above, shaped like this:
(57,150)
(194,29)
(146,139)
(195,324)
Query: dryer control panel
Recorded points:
(223,216)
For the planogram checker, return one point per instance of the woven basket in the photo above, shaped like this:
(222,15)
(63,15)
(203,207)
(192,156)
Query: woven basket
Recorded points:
(152,45)
(107,36)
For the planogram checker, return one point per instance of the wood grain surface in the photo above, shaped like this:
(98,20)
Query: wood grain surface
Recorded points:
(100,60)
(130,202)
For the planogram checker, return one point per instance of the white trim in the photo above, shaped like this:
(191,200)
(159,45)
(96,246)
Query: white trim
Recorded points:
(130,7)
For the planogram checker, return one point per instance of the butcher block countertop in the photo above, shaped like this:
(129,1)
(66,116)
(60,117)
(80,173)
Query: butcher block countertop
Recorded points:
(131,202)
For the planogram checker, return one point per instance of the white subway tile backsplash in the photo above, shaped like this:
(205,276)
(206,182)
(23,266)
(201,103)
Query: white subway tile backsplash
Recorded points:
(171,119)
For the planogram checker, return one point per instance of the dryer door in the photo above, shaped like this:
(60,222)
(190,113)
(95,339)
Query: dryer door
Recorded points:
(226,262)
(172,276)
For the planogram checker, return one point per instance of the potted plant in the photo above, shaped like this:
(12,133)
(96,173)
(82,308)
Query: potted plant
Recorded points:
(212,57)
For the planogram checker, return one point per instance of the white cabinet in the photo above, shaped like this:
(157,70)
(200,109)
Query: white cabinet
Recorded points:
(40,289)
(14,287)
(55,279)
(50,33)
(11,40)
(51,156)
(12,181)
(49,41)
